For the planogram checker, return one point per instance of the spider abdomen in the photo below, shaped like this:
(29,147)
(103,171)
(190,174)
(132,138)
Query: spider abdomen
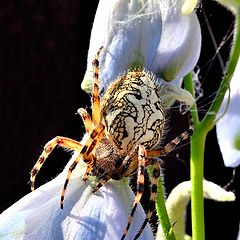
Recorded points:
(133,111)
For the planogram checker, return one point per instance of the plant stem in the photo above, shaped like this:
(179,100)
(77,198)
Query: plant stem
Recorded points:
(188,84)
(162,212)
(196,165)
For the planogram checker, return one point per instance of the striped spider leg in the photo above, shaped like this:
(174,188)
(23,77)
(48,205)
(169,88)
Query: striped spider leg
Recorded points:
(93,127)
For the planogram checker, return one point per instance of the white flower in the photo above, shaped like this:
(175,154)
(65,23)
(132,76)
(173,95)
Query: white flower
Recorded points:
(85,215)
(228,127)
(154,34)
(178,200)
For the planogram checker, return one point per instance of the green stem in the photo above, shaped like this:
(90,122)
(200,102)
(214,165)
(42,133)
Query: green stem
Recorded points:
(188,84)
(162,212)
(197,166)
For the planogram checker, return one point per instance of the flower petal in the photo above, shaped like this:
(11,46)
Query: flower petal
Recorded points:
(153,34)
(130,32)
(188,6)
(85,215)
(172,93)
(180,44)
(228,126)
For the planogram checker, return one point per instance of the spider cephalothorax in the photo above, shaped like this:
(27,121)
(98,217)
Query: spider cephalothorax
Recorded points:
(122,136)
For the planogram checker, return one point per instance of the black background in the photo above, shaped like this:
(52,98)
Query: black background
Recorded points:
(43,51)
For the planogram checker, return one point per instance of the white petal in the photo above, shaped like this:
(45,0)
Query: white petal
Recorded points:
(172,93)
(133,33)
(179,198)
(188,6)
(228,127)
(85,215)
(130,32)
(180,44)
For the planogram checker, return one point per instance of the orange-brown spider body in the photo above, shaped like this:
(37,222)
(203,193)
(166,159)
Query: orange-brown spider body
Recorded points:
(122,136)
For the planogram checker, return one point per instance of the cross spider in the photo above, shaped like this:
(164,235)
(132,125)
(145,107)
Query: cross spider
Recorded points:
(123,135)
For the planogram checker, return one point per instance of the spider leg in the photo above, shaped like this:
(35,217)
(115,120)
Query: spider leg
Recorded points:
(95,95)
(89,169)
(94,138)
(156,174)
(174,143)
(140,186)
(127,161)
(86,119)
(48,148)
(103,180)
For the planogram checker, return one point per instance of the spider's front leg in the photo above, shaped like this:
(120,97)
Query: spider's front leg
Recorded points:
(88,127)
(48,148)
(86,119)
(85,154)
(96,115)
(140,186)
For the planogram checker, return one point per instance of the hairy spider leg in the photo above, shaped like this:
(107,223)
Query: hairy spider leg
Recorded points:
(93,140)
(96,116)
(174,143)
(48,148)
(102,181)
(140,186)
(89,168)
(86,119)
(155,176)
(88,127)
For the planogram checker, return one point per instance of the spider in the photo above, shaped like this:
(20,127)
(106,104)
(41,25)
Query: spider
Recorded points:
(123,135)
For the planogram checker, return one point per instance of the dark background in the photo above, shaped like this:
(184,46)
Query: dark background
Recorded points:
(43,51)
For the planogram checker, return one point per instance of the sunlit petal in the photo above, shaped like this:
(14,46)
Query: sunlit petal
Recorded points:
(85,215)
(130,32)
(154,34)
(180,43)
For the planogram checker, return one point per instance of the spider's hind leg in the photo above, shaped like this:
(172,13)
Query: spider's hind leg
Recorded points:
(155,176)
(140,186)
